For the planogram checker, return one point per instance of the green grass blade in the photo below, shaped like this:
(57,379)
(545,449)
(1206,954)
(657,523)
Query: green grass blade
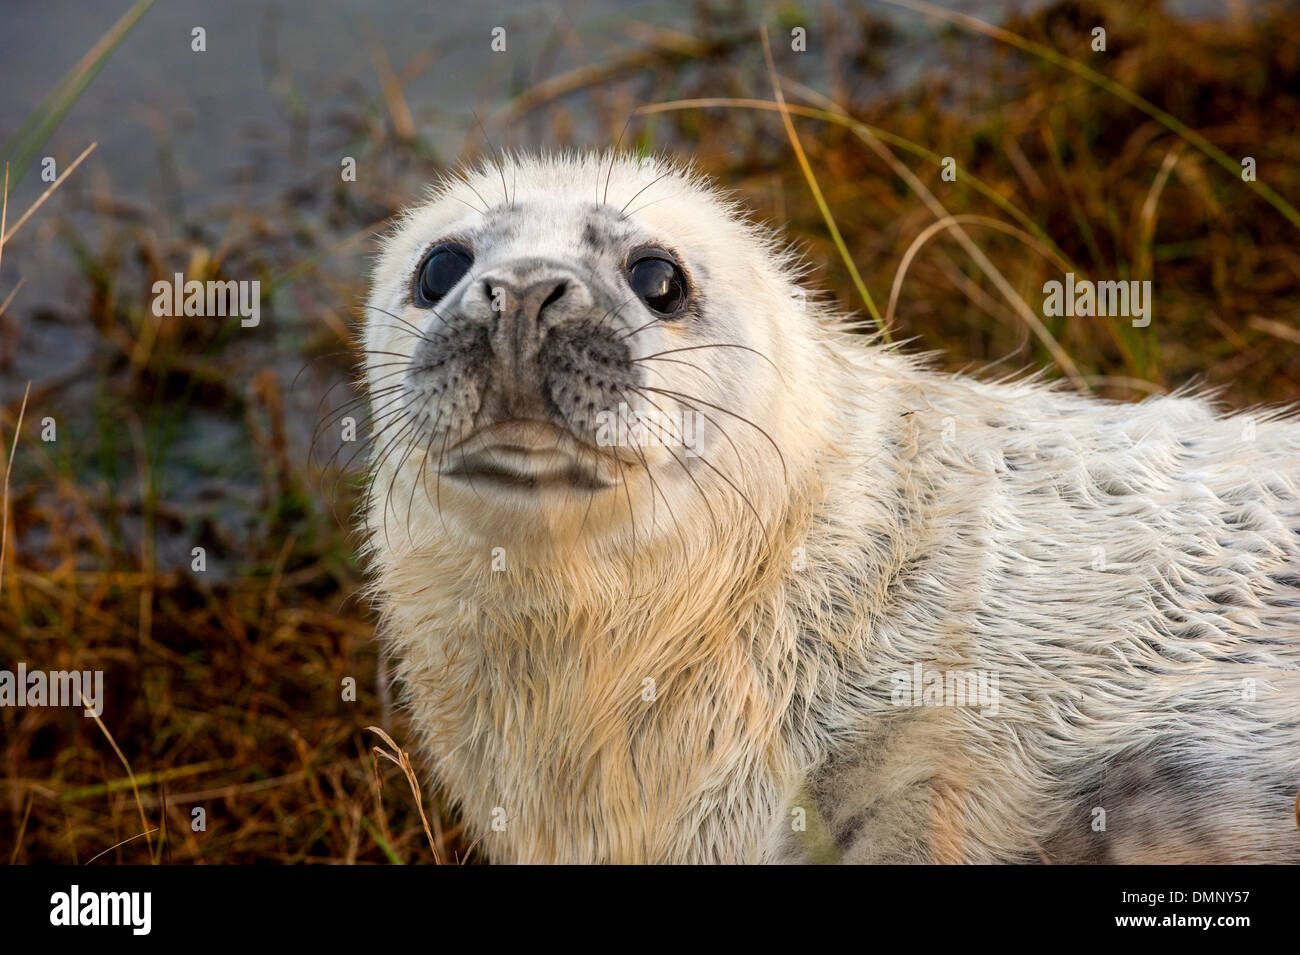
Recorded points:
(32,135)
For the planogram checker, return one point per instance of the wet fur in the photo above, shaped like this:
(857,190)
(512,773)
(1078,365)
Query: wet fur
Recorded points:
(1123,568)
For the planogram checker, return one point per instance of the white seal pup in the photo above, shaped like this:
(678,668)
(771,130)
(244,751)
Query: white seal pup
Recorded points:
(676,569)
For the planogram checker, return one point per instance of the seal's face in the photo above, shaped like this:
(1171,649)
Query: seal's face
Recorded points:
(537,326)
(571,353)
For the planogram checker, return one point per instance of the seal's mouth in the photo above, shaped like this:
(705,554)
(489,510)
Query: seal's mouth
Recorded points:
(529,454)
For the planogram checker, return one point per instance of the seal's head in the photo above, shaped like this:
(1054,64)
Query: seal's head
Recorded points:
(589,345)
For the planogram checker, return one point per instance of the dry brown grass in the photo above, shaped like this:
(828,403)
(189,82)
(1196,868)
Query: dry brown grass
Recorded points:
(224,691)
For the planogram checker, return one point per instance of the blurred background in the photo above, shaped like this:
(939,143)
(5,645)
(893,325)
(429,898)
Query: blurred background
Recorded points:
(224,688)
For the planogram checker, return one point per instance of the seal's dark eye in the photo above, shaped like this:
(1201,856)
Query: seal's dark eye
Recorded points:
(443,267)
(660,284)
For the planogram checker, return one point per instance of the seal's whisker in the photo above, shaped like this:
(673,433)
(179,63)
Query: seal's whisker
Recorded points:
(377,351)
(311,361)
(655,489)
(410,448)
(686,470)
(650,324)
(705,461)
(739,417)
(509,200)
(631,512)
(338,413)
(481,212)
(344,472)
(319,433)
(673,361)
(590,325)
(419,477)
(324,417)
(706,416)
(613,157)
(674,351)
(660,178)
(442,454)
(359,398)
(421,334)
(394,445)
(464,178)
(395,418)
(358,403)
(678,436)
(646,205)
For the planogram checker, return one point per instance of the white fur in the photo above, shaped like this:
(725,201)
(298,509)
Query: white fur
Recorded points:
(1122,569)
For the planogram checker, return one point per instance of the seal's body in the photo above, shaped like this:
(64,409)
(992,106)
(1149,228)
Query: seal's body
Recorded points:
(675,569)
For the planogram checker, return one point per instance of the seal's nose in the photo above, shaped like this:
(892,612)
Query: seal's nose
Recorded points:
(525,304)
(531,301)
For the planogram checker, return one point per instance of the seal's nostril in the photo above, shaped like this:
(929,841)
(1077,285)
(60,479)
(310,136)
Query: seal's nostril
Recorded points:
(555,296)
(487,289)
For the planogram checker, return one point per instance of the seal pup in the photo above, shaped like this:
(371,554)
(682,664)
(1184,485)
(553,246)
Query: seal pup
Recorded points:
(862,611)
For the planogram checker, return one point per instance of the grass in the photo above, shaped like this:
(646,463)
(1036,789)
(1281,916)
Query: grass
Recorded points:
(250,690)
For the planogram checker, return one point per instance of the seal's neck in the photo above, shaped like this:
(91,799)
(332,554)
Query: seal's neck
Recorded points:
(603,710)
